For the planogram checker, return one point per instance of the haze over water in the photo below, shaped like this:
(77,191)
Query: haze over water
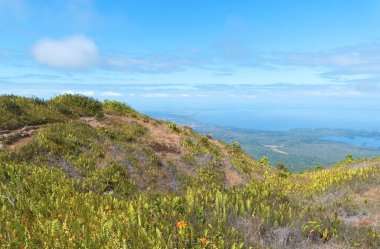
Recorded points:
(248,106)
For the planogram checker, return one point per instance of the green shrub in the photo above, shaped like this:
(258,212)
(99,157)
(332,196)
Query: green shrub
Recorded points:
(236,146)
(116,108)
(174,127)
(113,178)
(264,161)
(126,132)
(78,105)
(349,159)
(16,112)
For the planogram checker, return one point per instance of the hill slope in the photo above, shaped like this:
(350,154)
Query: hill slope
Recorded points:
(75,172)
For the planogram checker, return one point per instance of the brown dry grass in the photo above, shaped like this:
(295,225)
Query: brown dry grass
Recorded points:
(233,178)
(369,203)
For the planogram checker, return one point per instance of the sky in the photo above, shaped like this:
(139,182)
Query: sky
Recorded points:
(272,52)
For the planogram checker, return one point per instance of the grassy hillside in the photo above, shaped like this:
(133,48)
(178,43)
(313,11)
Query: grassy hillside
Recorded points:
(90,174)
(298,149)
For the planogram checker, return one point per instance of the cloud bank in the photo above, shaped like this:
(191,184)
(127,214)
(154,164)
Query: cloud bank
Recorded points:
(356,64)
(73,52)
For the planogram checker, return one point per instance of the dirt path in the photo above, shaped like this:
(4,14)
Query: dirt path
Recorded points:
(15,138)
(20,142)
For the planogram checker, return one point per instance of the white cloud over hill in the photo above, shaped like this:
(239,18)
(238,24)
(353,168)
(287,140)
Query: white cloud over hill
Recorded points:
(72,52)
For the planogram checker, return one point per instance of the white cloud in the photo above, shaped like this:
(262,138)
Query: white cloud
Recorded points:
(72,52)
(155,95)
(86,93)
(363,58)
(111,94)
(79,52)
(151,63)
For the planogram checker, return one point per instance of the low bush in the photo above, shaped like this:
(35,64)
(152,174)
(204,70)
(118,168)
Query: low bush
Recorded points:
(117,108)
(77,105)
(16,112)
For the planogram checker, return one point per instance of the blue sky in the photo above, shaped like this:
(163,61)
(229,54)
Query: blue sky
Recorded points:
(313,49)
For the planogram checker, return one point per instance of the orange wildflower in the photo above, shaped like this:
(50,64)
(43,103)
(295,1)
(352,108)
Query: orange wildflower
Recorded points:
(181,224)
(203,240)
(365,222)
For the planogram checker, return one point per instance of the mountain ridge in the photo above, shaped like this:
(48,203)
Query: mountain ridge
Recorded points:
(112,177)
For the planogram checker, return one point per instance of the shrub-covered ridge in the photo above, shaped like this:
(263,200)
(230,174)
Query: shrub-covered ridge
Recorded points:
(102,175)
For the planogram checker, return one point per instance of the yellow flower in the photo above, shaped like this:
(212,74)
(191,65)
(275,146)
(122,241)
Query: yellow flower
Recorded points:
(181,224)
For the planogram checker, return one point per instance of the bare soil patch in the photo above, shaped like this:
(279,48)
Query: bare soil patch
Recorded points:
(91,121)
(368,209)
(161,147)
(20,142)
(275,148)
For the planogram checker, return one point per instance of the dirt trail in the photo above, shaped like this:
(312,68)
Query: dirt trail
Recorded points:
(20,142)
(15,138)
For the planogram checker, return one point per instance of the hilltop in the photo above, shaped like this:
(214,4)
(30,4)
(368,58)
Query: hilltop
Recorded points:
(77,172)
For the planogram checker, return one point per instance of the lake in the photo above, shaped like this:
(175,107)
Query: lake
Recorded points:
(359,141)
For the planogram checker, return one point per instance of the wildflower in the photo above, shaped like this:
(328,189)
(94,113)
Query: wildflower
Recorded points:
(203,240)
(181,224)
(363,222)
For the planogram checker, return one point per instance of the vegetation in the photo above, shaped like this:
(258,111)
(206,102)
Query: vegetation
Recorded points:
(304,148)
(128,181)
(17,111)
(117,108)
(78,105)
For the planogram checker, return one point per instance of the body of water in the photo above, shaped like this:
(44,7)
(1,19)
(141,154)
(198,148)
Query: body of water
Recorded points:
(359,141)
(286,119)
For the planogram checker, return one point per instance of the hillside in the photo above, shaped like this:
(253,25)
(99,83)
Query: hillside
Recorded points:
(79,173)
(298,149)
